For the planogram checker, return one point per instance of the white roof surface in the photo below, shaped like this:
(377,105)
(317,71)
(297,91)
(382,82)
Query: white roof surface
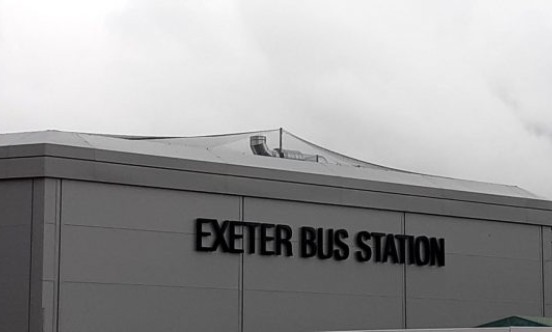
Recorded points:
(234,149)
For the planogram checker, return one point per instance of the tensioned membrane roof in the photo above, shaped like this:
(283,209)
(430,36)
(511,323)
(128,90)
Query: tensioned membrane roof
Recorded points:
(234,149)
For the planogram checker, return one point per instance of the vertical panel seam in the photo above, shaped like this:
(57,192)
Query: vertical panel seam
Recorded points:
(404,276)
(29,297)
(543,296)
(240,286)
(59,203)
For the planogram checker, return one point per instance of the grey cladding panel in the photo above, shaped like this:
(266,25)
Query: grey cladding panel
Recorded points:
(126,256)
(21,168)
(14,301)
(299,294)
(49,267)
(48,304)
(429,313)
(51,219)
(143,308)
(492,270)
(313,275)
(298,214)
(547,267)
(51,203)
(301,312)
(15,202)
(96,204)
(128,262)
(475,209)
(478,237)
(15,254)
(477,278)
(15,249)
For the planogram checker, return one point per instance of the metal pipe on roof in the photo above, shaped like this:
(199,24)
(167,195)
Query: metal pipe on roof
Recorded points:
(260,148)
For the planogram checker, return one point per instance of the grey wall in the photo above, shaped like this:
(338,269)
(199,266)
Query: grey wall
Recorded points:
(121,258)
(547,268)
(297,294)
(493,270)
(15,254)
(51,222)
(127,261)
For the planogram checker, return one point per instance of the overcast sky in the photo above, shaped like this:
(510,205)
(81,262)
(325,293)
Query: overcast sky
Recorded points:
(453,88)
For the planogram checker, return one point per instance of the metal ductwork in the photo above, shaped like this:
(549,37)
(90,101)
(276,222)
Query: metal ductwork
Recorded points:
(260,148)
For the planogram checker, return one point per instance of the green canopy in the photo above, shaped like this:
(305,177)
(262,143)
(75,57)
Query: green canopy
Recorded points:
(519,321)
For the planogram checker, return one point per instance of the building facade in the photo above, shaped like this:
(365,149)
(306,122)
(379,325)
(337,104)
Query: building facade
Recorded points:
(107,233)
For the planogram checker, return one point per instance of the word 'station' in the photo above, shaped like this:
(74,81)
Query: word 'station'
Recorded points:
(266,239)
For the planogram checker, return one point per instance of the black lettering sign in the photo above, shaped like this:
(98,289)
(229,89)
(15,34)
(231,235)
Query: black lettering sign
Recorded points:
(422,250)
(377,245)
(437,251)
(341,251)
(365,252)
(390,251)
(242,237)
(308,242)
(200,234)
(325,243)
(283,240)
